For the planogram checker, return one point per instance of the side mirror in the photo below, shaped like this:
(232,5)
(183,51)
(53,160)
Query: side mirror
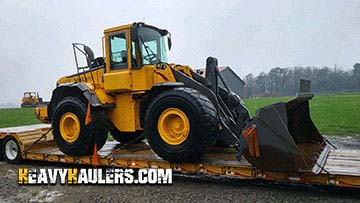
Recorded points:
(169,41)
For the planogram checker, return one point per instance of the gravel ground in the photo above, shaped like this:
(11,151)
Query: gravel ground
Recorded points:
(183,189)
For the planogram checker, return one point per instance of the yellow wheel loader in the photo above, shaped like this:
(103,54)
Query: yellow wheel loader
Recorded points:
(31,100)
(133,91)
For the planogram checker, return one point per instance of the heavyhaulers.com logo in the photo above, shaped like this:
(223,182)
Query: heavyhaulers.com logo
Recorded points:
(110,176)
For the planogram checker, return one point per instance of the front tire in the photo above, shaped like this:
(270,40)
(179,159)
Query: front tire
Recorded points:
(180,125)
(71,134)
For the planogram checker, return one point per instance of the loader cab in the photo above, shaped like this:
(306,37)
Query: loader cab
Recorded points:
(133,49)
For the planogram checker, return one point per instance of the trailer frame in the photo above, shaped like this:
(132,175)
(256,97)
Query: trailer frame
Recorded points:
(342,167)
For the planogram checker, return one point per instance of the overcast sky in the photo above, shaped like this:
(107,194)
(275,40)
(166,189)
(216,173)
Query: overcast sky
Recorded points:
(250,36)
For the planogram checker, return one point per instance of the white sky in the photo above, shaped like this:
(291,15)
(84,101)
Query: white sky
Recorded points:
(250,36)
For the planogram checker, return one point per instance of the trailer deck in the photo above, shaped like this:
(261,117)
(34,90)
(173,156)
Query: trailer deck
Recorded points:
(342,166)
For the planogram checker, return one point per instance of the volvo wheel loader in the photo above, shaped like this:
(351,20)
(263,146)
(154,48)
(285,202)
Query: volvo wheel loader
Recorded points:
(133,91)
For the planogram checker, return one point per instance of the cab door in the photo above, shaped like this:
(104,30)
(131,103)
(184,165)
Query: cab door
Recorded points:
(118,65)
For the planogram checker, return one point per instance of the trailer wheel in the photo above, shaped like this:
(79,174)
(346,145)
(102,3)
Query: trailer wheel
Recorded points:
(11,150)
(71,134)
(180,124)
(126,137)
(1,150)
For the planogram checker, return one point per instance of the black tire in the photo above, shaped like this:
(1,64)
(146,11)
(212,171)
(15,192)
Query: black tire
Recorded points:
(126,137)
(1,150)
(201,114)
(11,150)
(91,134)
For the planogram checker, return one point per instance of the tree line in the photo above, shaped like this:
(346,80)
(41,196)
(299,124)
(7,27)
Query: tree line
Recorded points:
(286,81)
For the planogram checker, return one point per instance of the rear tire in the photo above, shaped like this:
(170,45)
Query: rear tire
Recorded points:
(11,150)
(192,122)
(71,134)
(126,137)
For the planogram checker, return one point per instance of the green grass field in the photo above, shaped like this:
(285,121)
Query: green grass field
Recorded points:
(17,117)
(334,114)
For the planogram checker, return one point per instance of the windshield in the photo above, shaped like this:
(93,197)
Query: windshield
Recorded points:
(153,46)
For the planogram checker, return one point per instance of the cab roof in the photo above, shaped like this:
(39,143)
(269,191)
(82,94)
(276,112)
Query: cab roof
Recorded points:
(135,24)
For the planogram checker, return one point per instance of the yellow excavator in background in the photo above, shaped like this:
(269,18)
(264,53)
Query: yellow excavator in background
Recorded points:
(134,92)
(31,100)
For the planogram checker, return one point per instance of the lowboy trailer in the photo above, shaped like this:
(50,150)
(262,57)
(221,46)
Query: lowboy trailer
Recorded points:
(35,142)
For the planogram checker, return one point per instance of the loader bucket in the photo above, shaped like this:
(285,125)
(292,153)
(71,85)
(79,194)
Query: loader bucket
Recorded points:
(282,137)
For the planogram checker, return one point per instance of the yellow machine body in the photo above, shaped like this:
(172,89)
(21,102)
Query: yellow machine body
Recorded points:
(30,99)
(120,87)
(133,87)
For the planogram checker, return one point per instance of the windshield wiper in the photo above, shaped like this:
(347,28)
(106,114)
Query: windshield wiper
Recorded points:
(148,48)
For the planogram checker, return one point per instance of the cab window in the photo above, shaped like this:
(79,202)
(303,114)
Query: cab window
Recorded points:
(118,52)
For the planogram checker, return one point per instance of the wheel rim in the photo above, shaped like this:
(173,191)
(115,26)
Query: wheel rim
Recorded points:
(69,127)
(11,150)
(173,126)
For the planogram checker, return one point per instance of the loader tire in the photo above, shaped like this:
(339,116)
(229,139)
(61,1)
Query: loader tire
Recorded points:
(126,137)
(71,134)
(180,125)
(11,150)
